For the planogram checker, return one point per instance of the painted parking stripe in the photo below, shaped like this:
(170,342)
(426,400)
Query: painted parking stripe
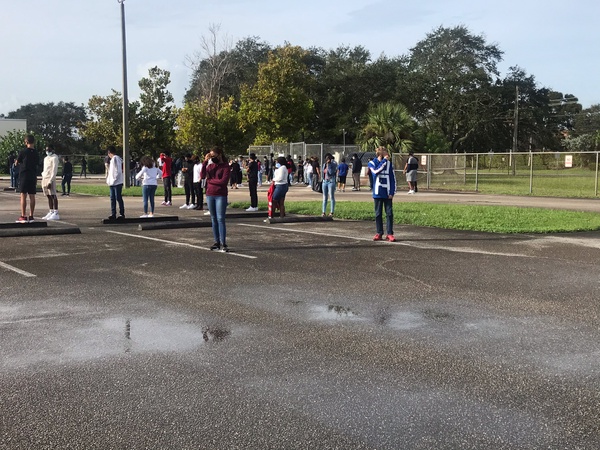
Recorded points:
(182,244)
(17,270)
(420,245)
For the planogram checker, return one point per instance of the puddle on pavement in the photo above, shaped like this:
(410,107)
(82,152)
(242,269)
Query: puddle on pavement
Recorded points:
(82,338)
(333,312)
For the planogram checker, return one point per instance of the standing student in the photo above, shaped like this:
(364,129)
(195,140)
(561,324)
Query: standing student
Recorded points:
(410,169)
(216,170)
(329,171)
(13,170)
(280,180)
(300,171)
(49,183)
(166,164)
(342,174)
(252,173)
(356,169)
(149,175)
(27,162)
(187,169)
(197,183)
(114,179)
(384,188)
(83,167)
(67,175)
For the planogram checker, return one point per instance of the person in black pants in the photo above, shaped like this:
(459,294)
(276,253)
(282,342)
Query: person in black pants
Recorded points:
(187,168)
(252,172)
(83,168)
(67,175)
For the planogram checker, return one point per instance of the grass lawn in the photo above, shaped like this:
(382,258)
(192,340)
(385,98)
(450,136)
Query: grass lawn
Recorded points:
(495,219)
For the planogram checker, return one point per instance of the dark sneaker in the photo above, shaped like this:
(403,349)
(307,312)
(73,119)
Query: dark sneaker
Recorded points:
(112,217)
(121,217)
(225,249)
(215,246)
(30,219)
(22,219)
(377,237)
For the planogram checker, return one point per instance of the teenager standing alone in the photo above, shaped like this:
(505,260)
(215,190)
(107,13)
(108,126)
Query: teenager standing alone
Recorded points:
(114,179)
(149,176)
(216,170)
(384,188)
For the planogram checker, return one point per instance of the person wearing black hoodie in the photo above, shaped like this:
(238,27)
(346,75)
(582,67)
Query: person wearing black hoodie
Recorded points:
(356,169)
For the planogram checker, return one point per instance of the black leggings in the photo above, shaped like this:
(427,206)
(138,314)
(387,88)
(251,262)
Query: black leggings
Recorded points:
(167,186)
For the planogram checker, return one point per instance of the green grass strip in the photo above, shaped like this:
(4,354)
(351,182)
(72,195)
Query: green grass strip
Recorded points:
(494,219)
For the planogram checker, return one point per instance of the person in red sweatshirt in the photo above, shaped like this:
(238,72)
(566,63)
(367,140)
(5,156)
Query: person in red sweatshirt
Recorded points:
(166,164)
(216,170)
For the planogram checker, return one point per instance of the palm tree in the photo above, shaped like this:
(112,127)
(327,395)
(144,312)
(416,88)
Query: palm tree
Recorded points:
(389,125)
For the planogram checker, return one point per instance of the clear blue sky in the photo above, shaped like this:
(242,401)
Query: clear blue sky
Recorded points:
(69,50)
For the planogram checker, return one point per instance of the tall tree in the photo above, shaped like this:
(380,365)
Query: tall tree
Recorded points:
(57,123)
(153,129)
(278,107)
(450,78)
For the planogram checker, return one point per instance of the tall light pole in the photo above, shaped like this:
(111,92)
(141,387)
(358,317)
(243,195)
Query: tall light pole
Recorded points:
(125,100)
(344,138)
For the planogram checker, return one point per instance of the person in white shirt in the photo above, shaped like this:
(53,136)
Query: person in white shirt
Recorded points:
(280,180)
(197,183)
(49,172)
(149,176)
(114,179)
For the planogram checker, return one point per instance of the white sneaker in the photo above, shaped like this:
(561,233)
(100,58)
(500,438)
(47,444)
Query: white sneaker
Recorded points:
(252,209)
(183,206)
(168,204)
(207,213)
(144,216)
(150,215)
(47,215)
(411,192)
(54,216)
(191,206)
(164,203)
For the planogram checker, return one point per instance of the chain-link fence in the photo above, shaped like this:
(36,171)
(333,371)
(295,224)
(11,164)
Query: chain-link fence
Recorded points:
(573,174)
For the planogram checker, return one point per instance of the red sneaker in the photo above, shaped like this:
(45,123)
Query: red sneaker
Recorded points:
(390,237)
(22,219)
(377,237)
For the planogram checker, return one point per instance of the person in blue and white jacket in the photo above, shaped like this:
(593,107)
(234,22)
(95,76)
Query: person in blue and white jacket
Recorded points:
(384,188)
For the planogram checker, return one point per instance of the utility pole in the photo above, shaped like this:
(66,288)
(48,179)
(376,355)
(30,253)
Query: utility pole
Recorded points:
(125,101)
(515,130)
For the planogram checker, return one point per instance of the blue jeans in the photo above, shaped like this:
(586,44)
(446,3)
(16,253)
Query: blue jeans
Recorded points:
(115,196)
(389,215)
(328,190)
(13,177)
(148,194)
(217,206)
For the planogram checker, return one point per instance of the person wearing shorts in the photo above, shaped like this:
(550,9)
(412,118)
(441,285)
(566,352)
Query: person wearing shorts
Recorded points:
(27,162)
(280,180)
(49,183)
(342,173)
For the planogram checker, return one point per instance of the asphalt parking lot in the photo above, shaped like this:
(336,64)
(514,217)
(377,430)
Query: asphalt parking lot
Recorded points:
(306,335)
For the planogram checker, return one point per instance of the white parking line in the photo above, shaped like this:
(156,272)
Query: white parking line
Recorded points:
(182,244)
(14,269)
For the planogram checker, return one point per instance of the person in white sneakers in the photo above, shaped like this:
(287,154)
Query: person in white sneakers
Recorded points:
(49,172)
(149,176)
(410,169)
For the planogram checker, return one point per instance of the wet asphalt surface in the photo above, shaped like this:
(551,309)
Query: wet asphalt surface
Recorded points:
(307,335)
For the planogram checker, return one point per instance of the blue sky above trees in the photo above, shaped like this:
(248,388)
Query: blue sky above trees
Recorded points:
(69,50)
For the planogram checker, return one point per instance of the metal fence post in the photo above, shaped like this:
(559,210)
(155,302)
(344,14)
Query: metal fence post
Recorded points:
(477,172)
(531,156)
(429,162)
(596,183)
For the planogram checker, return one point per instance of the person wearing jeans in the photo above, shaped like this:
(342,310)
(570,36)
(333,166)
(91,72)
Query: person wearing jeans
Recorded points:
(217,172)
(149,176)
(114,179)
(384,188)
(329,174)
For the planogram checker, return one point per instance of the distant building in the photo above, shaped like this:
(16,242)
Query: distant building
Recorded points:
(7,125)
